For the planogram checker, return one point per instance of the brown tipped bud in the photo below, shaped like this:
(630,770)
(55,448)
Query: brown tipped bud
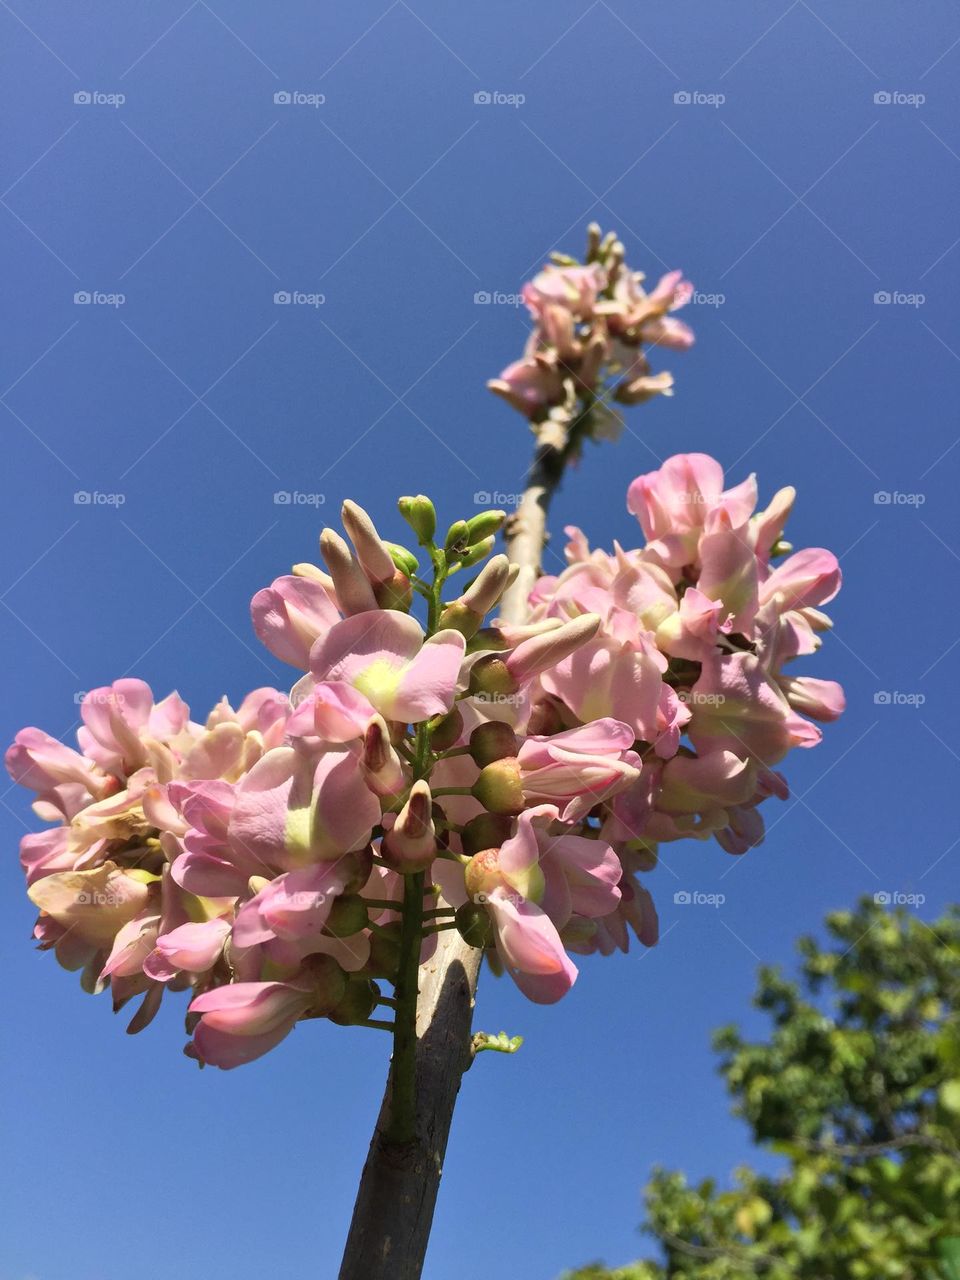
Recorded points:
(491,675)
(445,730)
(375,560)
(358,1003)
(492,741)
(354,592)
(395,594)
(410,844)
(499,787)
(360,864)
(479,551)
(485,831)
(348,916)
(456,540)
(474,925)
(377,747)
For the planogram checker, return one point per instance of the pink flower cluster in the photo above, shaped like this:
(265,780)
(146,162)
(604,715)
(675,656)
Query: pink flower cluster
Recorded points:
(698,628)
(591,324)
(517,777)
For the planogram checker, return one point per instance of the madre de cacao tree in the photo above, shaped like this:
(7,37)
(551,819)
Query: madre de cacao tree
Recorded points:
(439,788)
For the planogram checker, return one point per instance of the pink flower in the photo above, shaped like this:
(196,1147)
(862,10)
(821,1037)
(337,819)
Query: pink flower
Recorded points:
(385,656)
(245,1020)
(120,721)
(737,708)
(579,767)
(531,385)
(290,614)
(192,947)
(574,288)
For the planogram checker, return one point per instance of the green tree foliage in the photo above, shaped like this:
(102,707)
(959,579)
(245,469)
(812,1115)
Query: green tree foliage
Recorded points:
(857,1087)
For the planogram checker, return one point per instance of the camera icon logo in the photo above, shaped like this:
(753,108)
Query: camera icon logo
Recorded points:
(282,298)
(82,98)
(482,498)
(82,298)
(882,698)
(282,498)
(682,98)
(881,898)
(282,98)
(482,298)
(483,98)
(882,298)
(882,98)
(882,498)
(682,898)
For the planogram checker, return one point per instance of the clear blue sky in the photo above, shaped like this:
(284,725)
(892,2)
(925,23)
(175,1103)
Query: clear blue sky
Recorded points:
(798,198)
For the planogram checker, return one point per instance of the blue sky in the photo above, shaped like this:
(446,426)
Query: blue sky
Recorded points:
(799,198)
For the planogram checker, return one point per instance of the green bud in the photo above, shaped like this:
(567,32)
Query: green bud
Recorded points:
(490,675)
(459,617)
(446,730)
(405,560)
(479,551)
(563,260)
(384,951)
(499,787)
(474,925)
(492,741)
(348,916)
(397,593)
(421,516)
(482,525)
(456,540)
(485,831)
(358,1003)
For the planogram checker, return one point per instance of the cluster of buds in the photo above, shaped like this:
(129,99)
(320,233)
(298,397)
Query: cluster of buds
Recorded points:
(282,861)
(592,321)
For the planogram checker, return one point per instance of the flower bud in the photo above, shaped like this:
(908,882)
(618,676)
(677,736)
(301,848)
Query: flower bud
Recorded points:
(485,831)
(312,571)
(358,1003)
(492,741)
(375,560)
(499,787)
(540,652)
(483,525)
(421,516)
(403,559)
(458,616)
(353,589)
(474,925)
(491,675)
(456,539)
(348,916)
(479,551)
(397,593)
(384,951)
(410,844)
(446,730)
(327,981)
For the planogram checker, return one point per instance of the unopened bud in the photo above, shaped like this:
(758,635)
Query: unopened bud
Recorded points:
(375,560)
(404,560)
(458,616)
(489,585)
(492,741)
(445,730)
(421,516)
(357,1004)
(410,844)
(485,831)
(541,652)
(348,916)
(490,675)
(397,593)
(257,883)
(479,551)
(483,525)
(354,592)
(328,981)
(482,873)
(384,951)
(313,572)
(499,787)
(474,925)
(456,540)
